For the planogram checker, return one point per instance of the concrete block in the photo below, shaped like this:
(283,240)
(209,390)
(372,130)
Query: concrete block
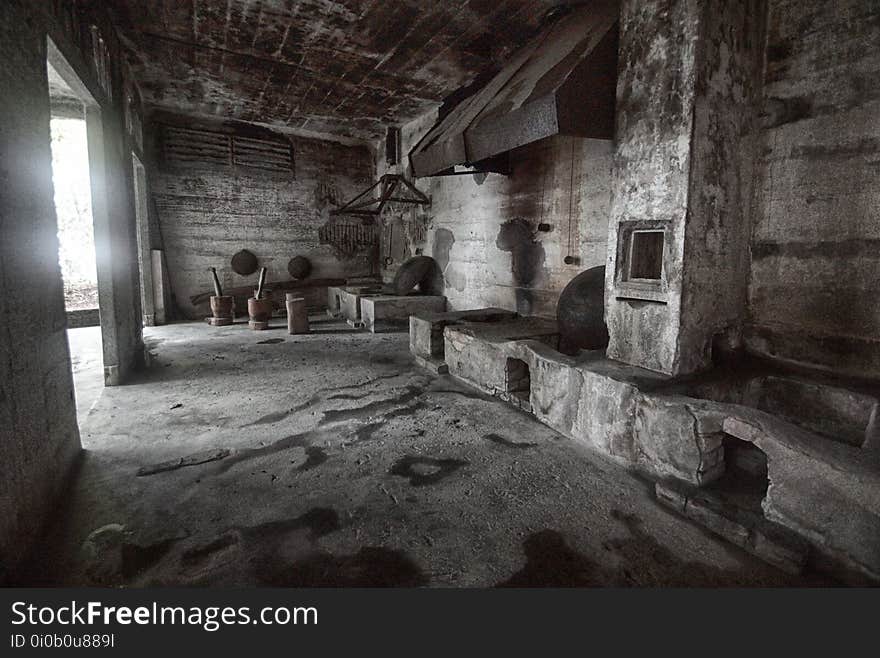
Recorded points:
(434,365)
(670,494)
(426,328)
(333,302)
(422,339)
(350,301)
(390,312)
(606,412)
(666,438)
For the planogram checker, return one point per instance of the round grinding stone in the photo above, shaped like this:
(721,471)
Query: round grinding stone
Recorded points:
(580,312)
(421,271)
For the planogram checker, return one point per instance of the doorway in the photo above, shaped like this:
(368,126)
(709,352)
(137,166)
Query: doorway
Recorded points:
(78,176)
(73,210)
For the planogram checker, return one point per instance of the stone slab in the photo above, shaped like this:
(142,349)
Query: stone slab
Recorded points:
(426,328)
(350,300)
(436,366)
(392,312)
(333,305)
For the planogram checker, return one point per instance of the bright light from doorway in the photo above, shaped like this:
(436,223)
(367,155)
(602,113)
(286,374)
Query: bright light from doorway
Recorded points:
(73,206)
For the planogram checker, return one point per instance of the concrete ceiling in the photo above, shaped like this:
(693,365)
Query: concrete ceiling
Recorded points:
(346,67)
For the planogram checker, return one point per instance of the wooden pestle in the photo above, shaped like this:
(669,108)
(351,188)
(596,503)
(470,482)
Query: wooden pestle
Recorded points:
(259,291)
(218,291)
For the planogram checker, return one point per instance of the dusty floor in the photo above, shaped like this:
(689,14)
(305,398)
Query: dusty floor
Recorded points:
(347,465)
(87,361)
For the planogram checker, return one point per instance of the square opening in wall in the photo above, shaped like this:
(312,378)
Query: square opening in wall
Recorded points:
(646,255)
(519,383)
(745,482)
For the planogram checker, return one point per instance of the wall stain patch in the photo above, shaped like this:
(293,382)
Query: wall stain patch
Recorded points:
(443,241)
(518,237)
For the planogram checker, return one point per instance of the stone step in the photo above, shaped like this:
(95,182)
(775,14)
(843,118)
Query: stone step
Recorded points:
(436,366)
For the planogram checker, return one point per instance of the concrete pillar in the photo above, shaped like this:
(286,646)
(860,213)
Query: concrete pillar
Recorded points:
(677,269)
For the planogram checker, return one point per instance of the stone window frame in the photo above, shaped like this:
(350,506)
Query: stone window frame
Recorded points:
(652,290)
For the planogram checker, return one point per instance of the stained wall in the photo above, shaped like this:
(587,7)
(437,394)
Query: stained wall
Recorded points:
(209,208)
(815,250)
(483,229)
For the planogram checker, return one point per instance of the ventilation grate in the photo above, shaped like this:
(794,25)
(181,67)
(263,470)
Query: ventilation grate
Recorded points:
(190,147)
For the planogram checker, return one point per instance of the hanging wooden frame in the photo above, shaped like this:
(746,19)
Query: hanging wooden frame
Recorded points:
(392,187)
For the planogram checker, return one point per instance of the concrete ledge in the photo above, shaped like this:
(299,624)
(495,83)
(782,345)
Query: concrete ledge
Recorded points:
(827,492)
(518,328)
(822,492)
(680,437)
(392,312)
(88,317)
(426,328)
(347,300)
(436,366)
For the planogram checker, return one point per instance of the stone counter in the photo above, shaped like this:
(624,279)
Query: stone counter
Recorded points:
(345,301)
(824,492)
(392,312)
(426,342)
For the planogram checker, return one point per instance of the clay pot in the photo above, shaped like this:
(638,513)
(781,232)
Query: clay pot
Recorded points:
(222,307)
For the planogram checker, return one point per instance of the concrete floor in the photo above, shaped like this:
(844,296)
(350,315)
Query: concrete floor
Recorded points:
(346,465)
(87,360)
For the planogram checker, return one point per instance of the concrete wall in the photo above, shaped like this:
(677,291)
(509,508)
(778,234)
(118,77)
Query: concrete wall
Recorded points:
(208,211)
(39,439)
(482,229)
(816,241)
